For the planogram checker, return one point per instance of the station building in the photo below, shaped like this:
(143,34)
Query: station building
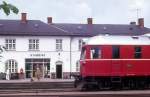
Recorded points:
(52,47)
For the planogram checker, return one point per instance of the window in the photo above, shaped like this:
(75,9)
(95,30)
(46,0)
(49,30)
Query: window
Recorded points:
(115,52)
(83,54)
(12,66)
(137,53)
(10,44)
(58,44)
(95,53)
(33,44)
(77,66)
(80,44)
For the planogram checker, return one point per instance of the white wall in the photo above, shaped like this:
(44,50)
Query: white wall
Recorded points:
(48,47)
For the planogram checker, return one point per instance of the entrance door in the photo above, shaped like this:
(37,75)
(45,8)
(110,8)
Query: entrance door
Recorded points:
(35,66)
(59,71)
(31,66)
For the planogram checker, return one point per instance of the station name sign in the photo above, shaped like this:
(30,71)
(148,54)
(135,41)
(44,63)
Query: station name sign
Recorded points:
(37,55)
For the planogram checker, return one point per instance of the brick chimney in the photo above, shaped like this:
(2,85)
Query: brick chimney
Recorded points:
(49,20)
(141,22)
(132,23)
(23,17)
(89,20)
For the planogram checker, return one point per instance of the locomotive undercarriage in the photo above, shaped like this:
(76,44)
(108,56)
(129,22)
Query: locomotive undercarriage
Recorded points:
(112,83)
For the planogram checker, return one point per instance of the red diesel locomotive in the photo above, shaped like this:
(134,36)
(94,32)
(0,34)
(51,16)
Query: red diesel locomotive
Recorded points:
(121,62)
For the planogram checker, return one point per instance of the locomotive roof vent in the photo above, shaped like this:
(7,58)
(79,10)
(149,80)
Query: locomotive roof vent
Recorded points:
(1,25)
(79,27)
(36,25)
(135,37)
(105,28)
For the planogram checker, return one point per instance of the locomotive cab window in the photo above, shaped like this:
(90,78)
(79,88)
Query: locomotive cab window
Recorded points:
(83,54)
(115,52)
(95,53)
(137,53)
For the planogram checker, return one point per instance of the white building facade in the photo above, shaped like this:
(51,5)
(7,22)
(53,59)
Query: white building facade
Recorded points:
(56,56)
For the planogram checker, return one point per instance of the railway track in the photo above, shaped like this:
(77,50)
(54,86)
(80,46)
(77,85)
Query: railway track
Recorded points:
(133,93)
(61,89)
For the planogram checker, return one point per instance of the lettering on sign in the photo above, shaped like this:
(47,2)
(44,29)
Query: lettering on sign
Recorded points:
(37,55)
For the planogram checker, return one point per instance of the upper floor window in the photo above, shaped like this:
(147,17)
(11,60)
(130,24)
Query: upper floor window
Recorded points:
(95,53)
(80,44)
(58,44)
(10,44)
(33,44)
(115,52)
(137,53)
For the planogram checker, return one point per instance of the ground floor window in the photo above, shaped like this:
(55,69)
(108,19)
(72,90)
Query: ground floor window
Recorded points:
(77,66)
(11,65)
(31,66)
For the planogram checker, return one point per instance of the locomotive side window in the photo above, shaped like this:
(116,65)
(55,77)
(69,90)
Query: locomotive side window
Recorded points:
(137,53)
(95,53)
(115,52)
(83,54)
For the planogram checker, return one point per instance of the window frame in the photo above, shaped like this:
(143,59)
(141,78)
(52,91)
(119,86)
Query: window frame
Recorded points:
(77,66)
(80,44)
(12,65)
(115,51)
(83,53)
(10,44)
(34,44)
(98,55)
(137,52)
(59,46)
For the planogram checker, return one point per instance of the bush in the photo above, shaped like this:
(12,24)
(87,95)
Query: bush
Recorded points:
(2,76)
(14,76)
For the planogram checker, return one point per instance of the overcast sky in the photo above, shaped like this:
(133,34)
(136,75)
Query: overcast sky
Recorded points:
(77,11)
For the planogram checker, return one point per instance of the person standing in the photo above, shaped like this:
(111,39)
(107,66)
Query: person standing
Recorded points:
(38,73)
(7,74)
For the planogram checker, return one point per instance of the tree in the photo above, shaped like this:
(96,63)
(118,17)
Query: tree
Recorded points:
(7,8)
(2,49)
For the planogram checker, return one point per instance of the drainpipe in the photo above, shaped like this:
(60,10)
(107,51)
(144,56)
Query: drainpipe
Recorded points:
(70,57)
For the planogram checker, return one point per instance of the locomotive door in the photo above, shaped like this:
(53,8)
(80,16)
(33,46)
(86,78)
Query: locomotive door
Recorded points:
(116,63)
(116,68)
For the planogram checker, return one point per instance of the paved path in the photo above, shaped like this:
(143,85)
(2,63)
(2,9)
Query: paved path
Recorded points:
(35,80)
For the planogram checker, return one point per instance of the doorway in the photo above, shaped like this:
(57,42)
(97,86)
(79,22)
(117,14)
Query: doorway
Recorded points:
(34,68)
(31,66)
(59,71)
